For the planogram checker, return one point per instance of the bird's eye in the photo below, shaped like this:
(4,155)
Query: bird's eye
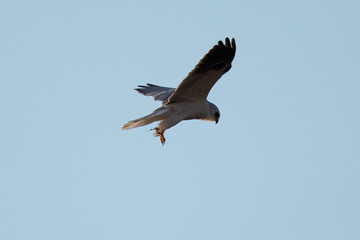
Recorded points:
(217,115)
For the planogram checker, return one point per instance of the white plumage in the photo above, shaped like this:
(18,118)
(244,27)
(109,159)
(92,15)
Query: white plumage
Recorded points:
(188,100)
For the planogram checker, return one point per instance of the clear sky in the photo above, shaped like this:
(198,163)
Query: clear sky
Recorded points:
(283,162)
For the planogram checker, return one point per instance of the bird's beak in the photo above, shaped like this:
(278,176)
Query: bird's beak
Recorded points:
(216,121)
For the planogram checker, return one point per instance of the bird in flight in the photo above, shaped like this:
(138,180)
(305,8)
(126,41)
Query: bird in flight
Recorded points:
(188,100)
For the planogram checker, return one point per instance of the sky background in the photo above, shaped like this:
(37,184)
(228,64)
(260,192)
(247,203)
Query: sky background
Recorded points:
(283,162)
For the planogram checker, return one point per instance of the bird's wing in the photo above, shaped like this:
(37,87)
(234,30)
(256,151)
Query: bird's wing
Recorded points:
(197,85)
(159,93)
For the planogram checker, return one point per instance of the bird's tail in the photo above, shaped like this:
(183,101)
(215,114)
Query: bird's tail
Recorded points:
(157,115)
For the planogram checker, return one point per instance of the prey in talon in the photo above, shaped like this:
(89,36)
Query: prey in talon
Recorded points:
(189,100)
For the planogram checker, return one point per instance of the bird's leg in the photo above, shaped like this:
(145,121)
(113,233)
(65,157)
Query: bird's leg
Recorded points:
(160,133)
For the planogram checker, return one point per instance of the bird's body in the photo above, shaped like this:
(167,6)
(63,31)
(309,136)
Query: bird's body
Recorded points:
(173,113)
(188,100)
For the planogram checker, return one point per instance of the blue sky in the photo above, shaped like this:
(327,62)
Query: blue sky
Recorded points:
(283,162)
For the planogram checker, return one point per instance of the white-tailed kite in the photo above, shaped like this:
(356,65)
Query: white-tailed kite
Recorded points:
(188,100)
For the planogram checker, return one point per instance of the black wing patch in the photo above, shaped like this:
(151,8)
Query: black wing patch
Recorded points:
(207,72)
(218,58)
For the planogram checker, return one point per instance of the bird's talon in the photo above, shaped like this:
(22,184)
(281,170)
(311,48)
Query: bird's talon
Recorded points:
(159,133)
(162,139)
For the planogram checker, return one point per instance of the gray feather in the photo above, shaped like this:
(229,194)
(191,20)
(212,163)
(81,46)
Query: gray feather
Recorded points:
(159,93)
(197,85)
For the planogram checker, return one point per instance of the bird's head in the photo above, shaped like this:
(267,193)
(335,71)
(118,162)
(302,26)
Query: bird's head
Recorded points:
(214,113)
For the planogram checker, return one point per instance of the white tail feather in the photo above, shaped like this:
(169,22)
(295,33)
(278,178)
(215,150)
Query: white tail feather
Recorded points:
(157,115)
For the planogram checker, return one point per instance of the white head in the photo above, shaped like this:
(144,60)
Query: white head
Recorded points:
(214,113)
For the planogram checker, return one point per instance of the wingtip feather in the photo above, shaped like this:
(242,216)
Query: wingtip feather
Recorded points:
(227,42)
(233,43)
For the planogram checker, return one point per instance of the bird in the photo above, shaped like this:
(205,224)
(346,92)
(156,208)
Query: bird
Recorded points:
(189,100)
